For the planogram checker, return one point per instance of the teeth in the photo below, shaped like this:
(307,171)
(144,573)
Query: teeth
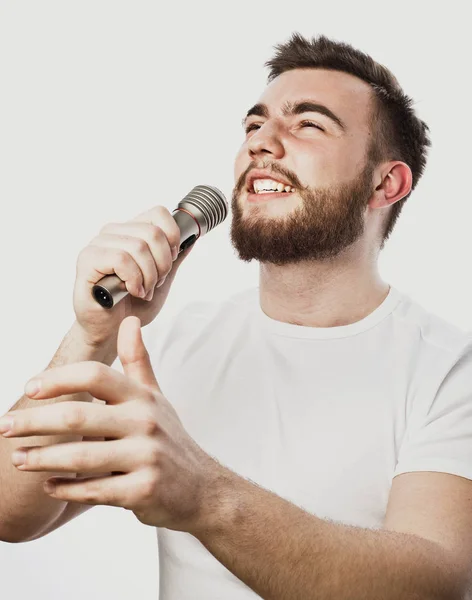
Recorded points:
(269,185)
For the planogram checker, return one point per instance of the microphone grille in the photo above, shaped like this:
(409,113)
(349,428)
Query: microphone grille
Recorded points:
(211,203)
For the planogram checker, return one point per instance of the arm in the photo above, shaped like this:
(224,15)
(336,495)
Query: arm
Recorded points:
(282,552)
(25,509)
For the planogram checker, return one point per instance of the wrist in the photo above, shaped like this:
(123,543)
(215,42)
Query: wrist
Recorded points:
(220,504)
(103,349)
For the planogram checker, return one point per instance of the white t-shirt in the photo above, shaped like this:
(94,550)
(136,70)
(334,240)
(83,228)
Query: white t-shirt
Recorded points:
(324,417)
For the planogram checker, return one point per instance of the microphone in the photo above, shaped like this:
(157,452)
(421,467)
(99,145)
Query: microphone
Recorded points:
(202,209)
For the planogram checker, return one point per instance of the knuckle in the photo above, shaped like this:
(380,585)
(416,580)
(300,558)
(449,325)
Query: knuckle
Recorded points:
(148,396)
(155,232)
(92,493)
(149,426)
(73,417)
(146,420)
(154,454)
(82,460)
(172,229)
(122,258)
(95,370)
(161,212)
(149,485)
(140,245)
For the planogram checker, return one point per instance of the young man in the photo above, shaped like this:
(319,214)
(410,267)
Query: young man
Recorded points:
(325,385)
(343,407)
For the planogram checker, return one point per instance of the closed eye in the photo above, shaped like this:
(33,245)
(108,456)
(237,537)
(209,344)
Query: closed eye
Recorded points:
(311,124)
(253,126)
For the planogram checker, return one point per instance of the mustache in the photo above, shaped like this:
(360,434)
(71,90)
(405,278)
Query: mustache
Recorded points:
(274,168)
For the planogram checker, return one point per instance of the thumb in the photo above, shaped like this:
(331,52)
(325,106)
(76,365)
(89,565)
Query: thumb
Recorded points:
(133,353)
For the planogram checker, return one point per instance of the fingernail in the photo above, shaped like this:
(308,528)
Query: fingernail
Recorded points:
(6,424)
(175,252)
(142,292)
(18,457)
(32,387)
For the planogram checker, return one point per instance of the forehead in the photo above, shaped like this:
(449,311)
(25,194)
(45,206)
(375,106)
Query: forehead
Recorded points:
(344,94)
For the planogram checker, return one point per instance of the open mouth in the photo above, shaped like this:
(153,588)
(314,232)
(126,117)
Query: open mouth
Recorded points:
(266,189)
(267,186)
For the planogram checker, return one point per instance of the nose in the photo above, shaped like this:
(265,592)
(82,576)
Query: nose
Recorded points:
(265,141)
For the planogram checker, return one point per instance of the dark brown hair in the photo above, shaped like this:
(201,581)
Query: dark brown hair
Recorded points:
(398,134)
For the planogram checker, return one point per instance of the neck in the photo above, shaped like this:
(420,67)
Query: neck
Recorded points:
(327,293)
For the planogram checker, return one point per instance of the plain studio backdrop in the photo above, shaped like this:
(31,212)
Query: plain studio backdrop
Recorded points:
(108,108)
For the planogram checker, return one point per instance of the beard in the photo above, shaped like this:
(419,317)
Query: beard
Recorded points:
(327,222)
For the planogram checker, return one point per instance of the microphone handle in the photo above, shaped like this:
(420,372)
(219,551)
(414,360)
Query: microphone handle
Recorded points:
(109,290)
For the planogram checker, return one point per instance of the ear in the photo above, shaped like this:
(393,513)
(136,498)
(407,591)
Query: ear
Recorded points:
(393,182)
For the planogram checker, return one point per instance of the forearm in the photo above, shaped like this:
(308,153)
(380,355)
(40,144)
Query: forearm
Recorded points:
(282,552)
(25,508)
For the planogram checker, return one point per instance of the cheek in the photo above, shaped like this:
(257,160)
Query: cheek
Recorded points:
(352,157)
(324,166)
(350,165)
(317,166)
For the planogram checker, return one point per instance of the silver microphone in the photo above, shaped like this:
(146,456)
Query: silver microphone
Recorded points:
(201,210)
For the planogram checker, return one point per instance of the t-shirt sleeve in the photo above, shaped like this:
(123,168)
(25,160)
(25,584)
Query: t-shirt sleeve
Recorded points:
(440,438)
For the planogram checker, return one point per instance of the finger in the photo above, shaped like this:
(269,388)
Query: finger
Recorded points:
(133,353)
(94,262)
(141,253)
(86,457)
(161,217)
(161,236)
(77,418)
(100,380)
(116,490)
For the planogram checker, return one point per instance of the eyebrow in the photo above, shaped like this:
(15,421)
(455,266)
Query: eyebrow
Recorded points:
(289,109)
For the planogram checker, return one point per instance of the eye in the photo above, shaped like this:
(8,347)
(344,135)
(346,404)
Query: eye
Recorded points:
(251,127)
(311,124)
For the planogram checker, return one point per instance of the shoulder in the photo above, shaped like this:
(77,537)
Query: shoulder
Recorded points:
(432,332)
